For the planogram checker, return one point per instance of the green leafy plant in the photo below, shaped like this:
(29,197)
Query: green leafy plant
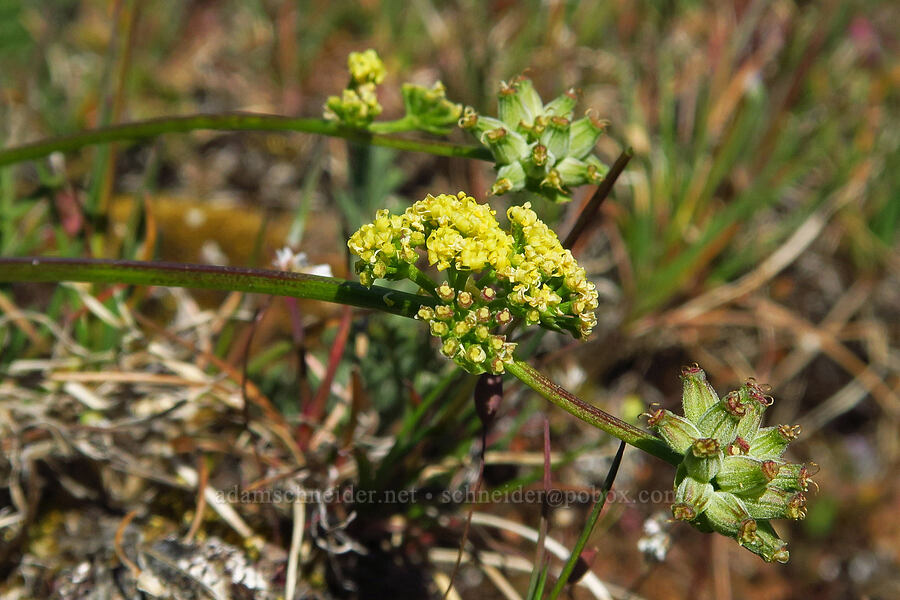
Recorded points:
(730,476)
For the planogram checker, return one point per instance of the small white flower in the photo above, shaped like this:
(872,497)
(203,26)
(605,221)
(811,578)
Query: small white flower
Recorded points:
(656,540)
(287,260)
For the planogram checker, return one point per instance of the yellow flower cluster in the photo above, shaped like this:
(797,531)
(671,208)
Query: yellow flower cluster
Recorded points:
(498,275)
(358,105)
(539,269)
(366,67)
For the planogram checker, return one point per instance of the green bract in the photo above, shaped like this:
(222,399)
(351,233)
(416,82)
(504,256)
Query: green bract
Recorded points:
(732,479)
(536,146)
(494,276)
(428,109)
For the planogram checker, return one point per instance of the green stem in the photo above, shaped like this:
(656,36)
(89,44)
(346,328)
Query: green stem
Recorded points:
(591,414)
(237,121)
(257,281)
(578,548)
(312,287)
(401,125)
(422,280)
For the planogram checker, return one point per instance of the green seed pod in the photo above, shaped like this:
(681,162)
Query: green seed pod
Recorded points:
(510,106)
(538,162)
(703,459)
(583,135)
(573,172)
(744,475)
(792,476)
(691,498)
(766,543)
(771,442)
(477,124)
(556,136)
(676,431)
(531,100)
(755,403)
(510,178)
(774,503)
(698,396)
(726,513)
(596,170)
(563,105)
(721,419)
(506,146)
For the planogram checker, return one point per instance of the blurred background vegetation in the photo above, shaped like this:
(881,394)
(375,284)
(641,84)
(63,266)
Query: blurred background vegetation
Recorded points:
(755,232)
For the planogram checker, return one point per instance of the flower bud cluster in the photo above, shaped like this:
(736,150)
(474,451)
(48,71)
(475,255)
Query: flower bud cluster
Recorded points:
(537,146)
(732,478)
(428,109)
(357,106)
(465,322)
(498,276)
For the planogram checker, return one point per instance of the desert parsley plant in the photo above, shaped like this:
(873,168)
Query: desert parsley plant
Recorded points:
(494,277)
(732,478)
